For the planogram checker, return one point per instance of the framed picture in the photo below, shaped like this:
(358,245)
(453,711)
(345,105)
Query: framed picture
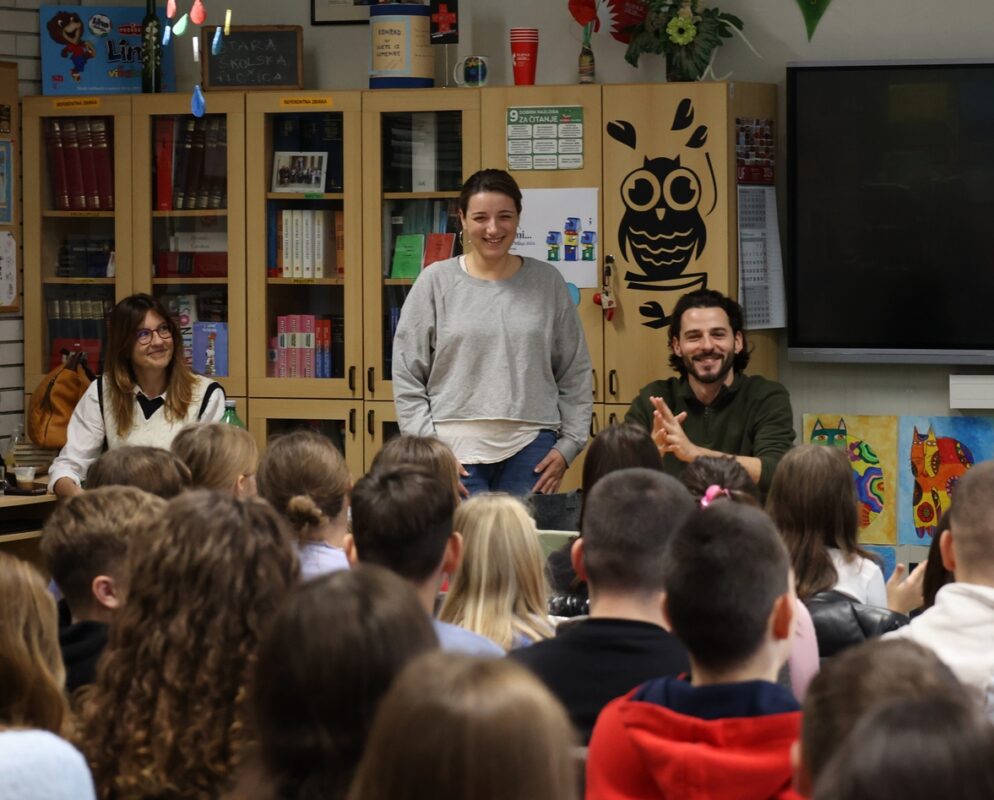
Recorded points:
(299,172)
(340,12)
(6,184)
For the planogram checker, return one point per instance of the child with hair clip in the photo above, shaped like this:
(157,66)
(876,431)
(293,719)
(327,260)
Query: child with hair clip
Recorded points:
(499,589)
(32,677)
(305,479)
(221,457)
(453,726)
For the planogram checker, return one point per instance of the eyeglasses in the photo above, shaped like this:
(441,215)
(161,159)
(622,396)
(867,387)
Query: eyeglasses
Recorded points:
(144,335)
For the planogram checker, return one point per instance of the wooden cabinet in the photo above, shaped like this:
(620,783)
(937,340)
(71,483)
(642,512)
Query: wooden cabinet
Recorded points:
(318,287)
(189,225)
(78,234)
(419,147)
(339,420)
(379,425)
(670,215)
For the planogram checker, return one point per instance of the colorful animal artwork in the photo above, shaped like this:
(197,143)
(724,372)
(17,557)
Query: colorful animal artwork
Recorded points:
(937,452)
(870,443)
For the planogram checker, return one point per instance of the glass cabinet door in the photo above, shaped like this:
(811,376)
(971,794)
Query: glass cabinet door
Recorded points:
(77,226)
(304,253)
(424,145)
(190,226)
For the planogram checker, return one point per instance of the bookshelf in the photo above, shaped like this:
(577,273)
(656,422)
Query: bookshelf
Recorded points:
(189,225)
(77,224)
(420,145)
(304,244)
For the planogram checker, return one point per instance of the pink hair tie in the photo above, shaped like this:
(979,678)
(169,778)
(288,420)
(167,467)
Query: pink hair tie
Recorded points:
(713,491)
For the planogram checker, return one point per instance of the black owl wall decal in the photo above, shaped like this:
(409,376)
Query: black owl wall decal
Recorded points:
(663,225)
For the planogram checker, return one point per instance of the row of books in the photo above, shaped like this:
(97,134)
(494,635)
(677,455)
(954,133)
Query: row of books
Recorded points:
(197,254)
(82,256)
(191,156)
(307,346)
(78,323)
(305,243)
(210,305)
(409,234)
(313,133)
(423,151)
(79,163)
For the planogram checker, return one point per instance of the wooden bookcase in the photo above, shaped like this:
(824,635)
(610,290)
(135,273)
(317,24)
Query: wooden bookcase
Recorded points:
(448,126)
(165,264)
(275,120)
(79,237)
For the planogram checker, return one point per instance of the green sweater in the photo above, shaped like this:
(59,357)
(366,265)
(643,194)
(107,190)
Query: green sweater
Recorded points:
(752,417)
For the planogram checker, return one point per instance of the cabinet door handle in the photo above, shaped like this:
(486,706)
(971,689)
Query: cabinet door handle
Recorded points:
(370,424)
(593,382)
(612,419)
(612,382)
(370,373)
(352,379)
(352,422)
(594,425)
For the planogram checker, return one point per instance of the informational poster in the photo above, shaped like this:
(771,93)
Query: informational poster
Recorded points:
(760,264)
(545,137)
(561,226)
(8,272)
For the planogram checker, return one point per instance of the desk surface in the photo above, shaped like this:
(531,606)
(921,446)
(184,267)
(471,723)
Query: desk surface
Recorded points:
(15,500)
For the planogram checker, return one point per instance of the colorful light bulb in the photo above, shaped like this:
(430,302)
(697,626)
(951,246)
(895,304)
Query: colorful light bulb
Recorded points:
(167,35)
(180,27)
(217,44)
(198,13)
(227,21)
(196,49)
(170,9)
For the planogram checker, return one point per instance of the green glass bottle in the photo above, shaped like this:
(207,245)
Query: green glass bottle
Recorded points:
(151,50)
(231,415)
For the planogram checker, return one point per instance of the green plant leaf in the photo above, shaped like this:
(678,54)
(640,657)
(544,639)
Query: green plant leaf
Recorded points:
(813,11)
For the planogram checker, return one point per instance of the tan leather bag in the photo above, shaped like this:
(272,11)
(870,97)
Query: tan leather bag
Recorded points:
(55,398)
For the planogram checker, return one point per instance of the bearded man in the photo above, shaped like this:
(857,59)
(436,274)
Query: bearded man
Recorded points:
(712,409)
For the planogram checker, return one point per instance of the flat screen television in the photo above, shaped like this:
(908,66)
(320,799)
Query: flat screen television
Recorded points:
(890,212)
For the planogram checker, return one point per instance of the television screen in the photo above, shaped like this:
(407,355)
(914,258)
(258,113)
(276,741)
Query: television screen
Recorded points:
(890,242)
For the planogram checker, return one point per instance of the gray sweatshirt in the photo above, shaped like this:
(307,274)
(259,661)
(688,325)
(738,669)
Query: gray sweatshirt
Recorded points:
(468,349)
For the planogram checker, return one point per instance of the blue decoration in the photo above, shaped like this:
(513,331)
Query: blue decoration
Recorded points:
(217,44)
(198,103)
(167,35)
(574,293)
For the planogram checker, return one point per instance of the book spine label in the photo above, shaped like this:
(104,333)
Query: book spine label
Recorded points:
(286,262)
(320,228)
(307,243)
(298,243)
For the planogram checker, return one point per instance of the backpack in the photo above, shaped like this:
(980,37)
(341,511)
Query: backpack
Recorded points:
(55,398)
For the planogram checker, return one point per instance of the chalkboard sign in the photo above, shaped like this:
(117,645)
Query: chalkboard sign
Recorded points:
(254,57)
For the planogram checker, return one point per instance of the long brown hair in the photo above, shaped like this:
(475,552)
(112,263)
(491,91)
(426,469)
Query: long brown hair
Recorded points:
(456,726)
(813,502)
(32,676)
(330,655)
(168,713)
(119,375)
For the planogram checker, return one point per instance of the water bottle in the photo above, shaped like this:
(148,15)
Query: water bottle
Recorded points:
(231,415)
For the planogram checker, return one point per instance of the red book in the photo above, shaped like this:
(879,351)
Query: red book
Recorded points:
(103,162)
(164,128)
(283,348)
(57,165)
(87,165)
(438,247)
(184,141)
(74,166)
(307,325)
(195,166)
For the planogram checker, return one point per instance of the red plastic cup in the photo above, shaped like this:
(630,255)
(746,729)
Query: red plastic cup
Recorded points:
(524,55)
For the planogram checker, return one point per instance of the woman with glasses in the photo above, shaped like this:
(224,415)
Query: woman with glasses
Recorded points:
(145,396)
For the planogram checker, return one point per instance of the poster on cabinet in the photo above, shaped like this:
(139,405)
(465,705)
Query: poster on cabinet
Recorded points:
(560,226)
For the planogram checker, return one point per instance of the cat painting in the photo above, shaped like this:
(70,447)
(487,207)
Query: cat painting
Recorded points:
(868,474)
(937,464)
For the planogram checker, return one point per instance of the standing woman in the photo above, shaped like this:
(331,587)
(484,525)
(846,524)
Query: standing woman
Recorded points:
(489,354)
(145,396)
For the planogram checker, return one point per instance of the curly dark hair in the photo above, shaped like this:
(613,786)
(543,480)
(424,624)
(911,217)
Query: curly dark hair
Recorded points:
(168,715)
(709,298)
